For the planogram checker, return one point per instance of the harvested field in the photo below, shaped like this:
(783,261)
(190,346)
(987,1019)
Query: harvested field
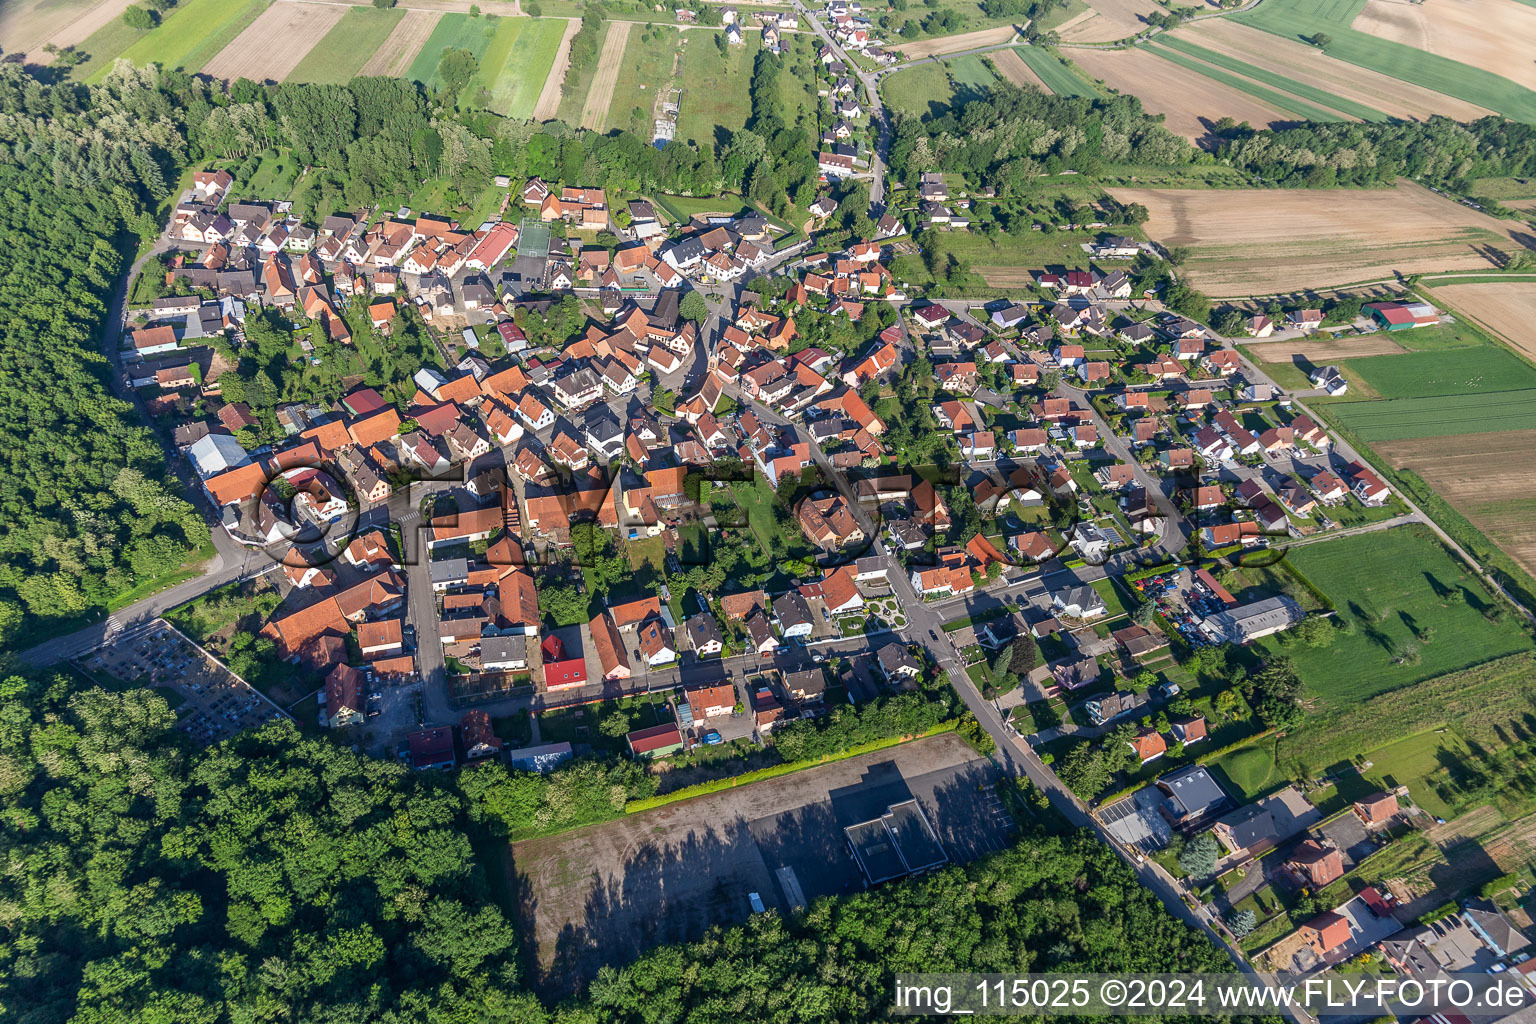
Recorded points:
(1267,241)
(1494,35)
(609,63)
(1319,353)
(1012,67)
(549,97)
(1190,100)
(1109,20)
(954,44)
(337,57)
(393,58)
(1310,66)
(1489,478)
(26,27)
(1506,308)
(275,43)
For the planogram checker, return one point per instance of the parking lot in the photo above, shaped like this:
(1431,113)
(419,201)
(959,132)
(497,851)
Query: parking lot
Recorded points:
(1135,821)
(1184,601)
(601,894)
(215,703)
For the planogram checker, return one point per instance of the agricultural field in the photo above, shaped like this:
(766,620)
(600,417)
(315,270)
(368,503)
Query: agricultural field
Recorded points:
(1264,242)
(1110,20)
(715,87)
(646,68)
(1320,352)
(610,62)
(453,32)
(25,25)
(1487,477)
(516,65)
(396,53)
(1191,102)
(1470,371)
(955,44)
(341,54)
(1294,91)
(922,90)
(1281,100)
(553,94)
(1304,19)
(1506,309)
(1058,78)
(1396,591)
(1011,261)
(1012,67)
(1306,66)
(275,43)
(190,35)
(1405,419)
(971,76)
(1491,34)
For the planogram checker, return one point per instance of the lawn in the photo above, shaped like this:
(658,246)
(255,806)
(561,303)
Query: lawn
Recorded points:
(1439,416)
(188,36)
(1302,19)
(1457,334)
(1279,100)
(1393,588)
(647,68)
(923,90)
(715,88)
(971,76)
(1058,78)
(347,46)
(1463,371)
(1414,762)
(1306,92)
(454,31)
(274,176)
(1248,772)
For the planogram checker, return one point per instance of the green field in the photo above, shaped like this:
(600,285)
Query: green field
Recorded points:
(1249,772)
(1440,416)
(647,68)
(1058,78)
(923,90)
(971,75)
(188,37)
(346,47)
(453,32)
(1279,100)
(1302,19)
(1454,371)
(1306,92)
(1392,586)
(515,65)
(715,88)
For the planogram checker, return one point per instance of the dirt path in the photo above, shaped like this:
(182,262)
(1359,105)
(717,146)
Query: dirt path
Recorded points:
(609,63)
(549,99)
(406,40)
(275,42)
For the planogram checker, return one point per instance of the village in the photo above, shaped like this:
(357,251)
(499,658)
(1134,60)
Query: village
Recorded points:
(916,488)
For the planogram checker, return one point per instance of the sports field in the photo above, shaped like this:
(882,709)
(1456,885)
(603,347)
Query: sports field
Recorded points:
(1306,66)
(453,32)
(1304,19)
(1394,587)
(189,36)
(1247,242)
(516,64)
(1190,101)
(346,48)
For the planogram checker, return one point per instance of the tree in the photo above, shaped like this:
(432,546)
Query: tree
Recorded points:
(1199,856)
(1321,40)
(384,4)
(140,18)
(456,67)
(1241,922)
(693,307)
(614,725)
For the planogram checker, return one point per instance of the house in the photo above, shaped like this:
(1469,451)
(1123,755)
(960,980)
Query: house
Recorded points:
(431,748)
(1107,708)
(704,635)
(611,654)
(1330,379)
(1267,823)
(1149,745)
(1376,811)
(829,522)
(562,669)
(1252,621)
(1304,319)
(1493,929)
(1190,730)
(656,741)
(343,697)
(711,701)
(1260,326)
(1367,486)
(504,653)
(793,614)
(1080,602)
(1325,933)
(380,639)
(1315,864)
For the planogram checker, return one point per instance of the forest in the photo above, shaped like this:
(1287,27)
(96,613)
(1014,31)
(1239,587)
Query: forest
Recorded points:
(282,878)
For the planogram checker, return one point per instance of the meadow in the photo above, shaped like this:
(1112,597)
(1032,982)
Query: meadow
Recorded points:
(1412,613)
(715,87)
(346,47)
(922,90)
(1303,19)
(516,63)
(647,67)
(971,75)
(453,32)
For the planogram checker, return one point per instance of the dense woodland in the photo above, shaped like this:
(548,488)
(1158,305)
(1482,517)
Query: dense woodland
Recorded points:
(280,878)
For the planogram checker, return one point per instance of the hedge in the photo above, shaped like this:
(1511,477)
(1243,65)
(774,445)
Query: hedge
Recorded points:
(776,770)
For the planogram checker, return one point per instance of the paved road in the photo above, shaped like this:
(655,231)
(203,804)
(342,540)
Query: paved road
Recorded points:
(876,108)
